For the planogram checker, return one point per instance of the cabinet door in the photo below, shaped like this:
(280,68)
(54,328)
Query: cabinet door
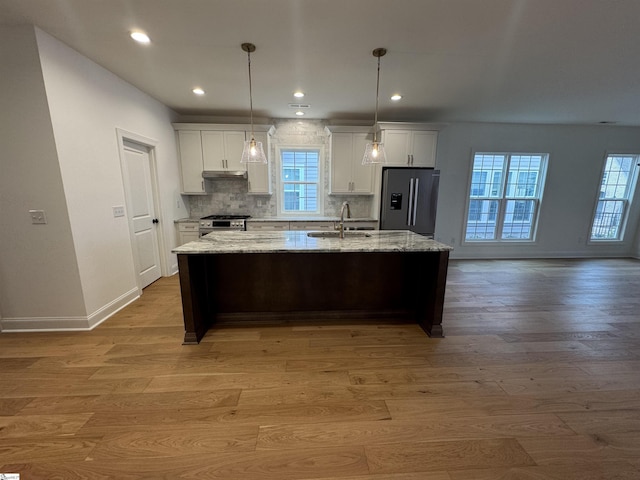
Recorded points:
(311,226)
(275,225)
(260,173)
(222,150)
(396,146)
(423,149)
(233,146)
(213,150)
(186,237)
(341,160)
(361,175)
(191,162)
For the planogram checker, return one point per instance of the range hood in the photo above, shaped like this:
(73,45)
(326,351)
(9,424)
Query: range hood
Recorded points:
(224,174)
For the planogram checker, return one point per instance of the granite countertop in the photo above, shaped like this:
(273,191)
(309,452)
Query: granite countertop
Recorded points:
(286,219)
(298,241)
(186,220)
(308,219)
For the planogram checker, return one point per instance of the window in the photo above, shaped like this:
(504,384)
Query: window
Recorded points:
(300,181)
(504,196)
(614,198)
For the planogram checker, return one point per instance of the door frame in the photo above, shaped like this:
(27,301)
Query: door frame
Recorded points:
(150,145)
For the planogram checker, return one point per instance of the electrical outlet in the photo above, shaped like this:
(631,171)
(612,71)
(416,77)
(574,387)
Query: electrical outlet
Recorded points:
(118,211)
(37,217)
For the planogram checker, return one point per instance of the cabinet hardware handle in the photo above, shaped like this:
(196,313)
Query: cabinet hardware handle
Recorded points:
(410,206)
(415,200)
(202,185)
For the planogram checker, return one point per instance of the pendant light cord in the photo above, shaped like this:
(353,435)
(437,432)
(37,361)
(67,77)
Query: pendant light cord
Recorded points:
(375,119)
(250,95)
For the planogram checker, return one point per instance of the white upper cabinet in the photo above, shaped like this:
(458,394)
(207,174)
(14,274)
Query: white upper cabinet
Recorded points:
(222,150)
(218,148)
(190,153)
(259,174)
(348,175)
(407,145)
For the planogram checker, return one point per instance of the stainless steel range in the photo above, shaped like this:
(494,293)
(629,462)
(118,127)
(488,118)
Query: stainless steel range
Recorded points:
(215,223)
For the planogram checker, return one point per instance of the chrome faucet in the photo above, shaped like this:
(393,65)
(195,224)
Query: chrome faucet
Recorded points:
(341,227)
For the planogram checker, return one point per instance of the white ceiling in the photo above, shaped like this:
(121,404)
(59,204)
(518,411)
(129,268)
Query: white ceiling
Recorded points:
(538,61)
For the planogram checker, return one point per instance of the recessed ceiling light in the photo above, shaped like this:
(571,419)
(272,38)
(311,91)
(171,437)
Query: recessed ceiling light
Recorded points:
(298,94)
(396,97)
(198,91)
(140,37)
(299,113)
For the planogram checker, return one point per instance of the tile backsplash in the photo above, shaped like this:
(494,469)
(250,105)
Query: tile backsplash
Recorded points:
(230,195)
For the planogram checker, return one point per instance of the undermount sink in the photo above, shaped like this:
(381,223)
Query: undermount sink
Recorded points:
(336,234)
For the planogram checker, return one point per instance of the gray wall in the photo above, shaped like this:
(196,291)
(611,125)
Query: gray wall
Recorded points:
(576,159)
(58,119)
(39,274)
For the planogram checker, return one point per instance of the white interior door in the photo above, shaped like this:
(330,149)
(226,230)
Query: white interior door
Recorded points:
(141,212)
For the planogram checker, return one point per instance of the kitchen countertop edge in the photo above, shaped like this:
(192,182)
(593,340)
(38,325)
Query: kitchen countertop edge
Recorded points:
(298,241)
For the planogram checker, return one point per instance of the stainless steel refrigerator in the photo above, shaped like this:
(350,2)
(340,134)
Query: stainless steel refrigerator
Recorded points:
(409,199)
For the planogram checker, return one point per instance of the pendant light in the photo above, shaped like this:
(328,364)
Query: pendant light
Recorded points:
(253,151)
(374,151)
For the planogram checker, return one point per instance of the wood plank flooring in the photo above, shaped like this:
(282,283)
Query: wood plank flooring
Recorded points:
(538,377)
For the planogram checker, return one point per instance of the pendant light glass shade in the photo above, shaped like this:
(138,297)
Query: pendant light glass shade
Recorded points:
(252,151)
(374,151)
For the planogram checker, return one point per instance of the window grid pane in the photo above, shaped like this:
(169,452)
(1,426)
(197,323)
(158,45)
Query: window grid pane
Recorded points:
(481,223)
(518,220)
(616,176)
(614,195)
(300,177)
(515,181)
(487,175)
(606,223)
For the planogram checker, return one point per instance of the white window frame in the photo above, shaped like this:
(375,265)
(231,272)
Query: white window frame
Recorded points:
(280,186)
(502,198)
(626,200)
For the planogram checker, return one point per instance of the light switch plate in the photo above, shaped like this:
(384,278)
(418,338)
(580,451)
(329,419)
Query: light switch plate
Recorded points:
(37,217)
(118,211)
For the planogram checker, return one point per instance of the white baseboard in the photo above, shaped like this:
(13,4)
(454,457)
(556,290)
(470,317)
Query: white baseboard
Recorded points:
(55,324)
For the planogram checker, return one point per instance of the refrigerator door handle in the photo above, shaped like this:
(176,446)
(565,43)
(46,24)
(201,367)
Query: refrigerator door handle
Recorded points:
(410,206)
(415,201)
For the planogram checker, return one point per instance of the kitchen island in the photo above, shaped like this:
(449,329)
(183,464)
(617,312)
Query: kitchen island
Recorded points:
(290,275)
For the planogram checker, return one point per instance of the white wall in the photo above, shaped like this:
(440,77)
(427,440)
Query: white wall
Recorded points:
(87,104)
(576,158)
(39,277)
(60,112)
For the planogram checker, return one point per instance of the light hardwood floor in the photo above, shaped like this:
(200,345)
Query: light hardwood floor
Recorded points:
(538,378)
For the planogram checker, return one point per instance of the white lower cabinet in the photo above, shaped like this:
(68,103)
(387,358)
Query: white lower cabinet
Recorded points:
(312,226)
(268,225)
(188,232)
